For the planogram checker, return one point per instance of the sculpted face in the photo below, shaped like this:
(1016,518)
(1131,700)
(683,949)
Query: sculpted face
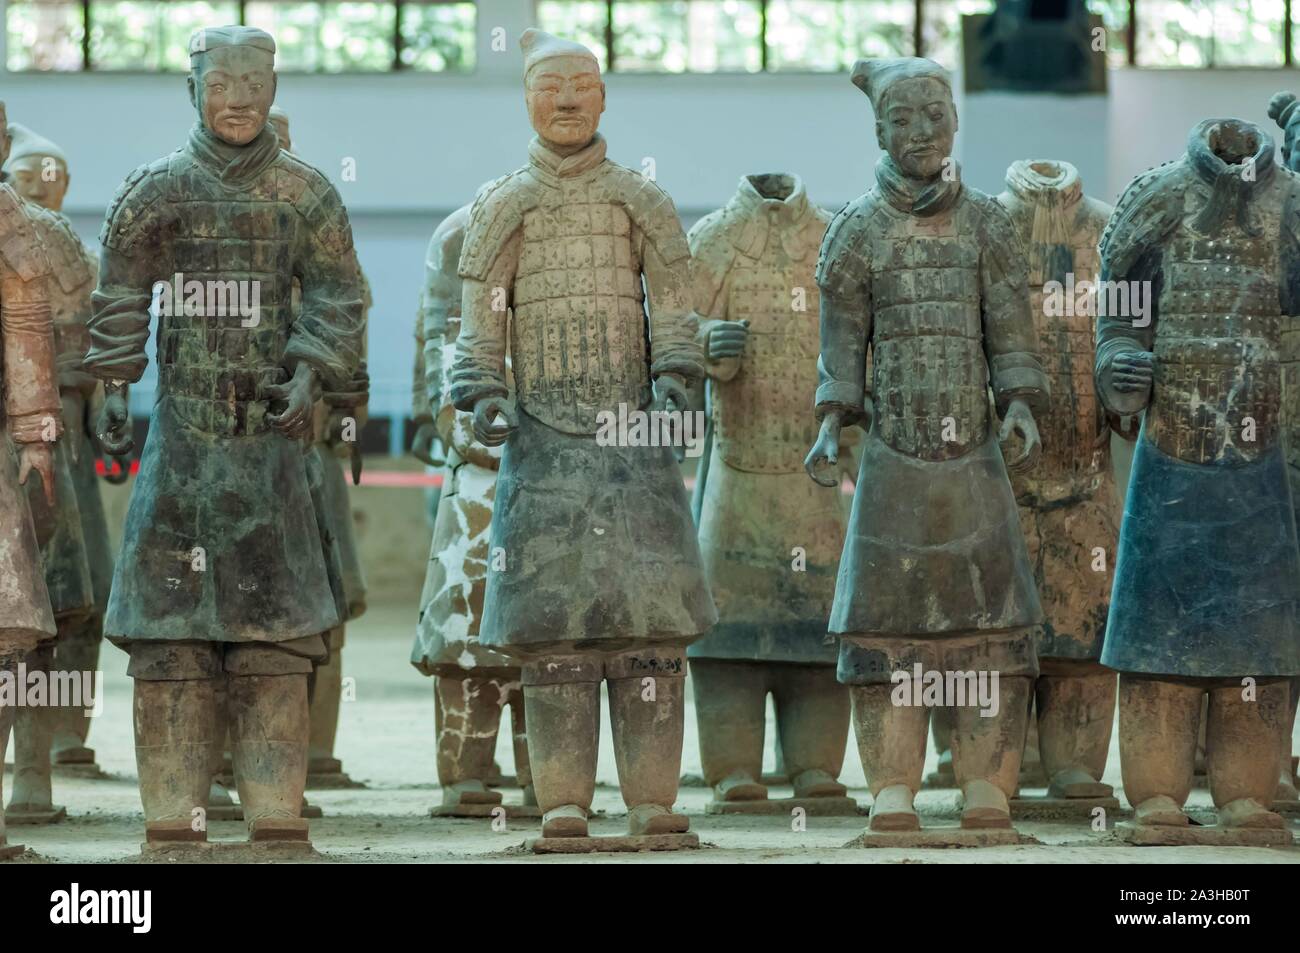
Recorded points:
(918,126)
(565,97)
(233,88)
(40,179)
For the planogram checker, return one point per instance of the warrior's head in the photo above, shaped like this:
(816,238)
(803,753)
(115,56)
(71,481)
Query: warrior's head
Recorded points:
(279,121)
(1284,109)
(36,168)
(564,91)
(232,80)
(916,121)
(4,135)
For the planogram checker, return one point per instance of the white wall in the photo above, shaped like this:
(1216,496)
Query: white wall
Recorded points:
(423,143)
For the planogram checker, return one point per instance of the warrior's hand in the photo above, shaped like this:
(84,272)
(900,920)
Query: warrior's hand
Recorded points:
(1131,372)
(114,428)
(825,452)
(670,394)
(426,435)
(486,430)
(1020,420)
(727,339)
(38,457)
(299,396)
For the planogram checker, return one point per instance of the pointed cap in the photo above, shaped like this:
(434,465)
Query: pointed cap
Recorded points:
(539,45)
(874,77)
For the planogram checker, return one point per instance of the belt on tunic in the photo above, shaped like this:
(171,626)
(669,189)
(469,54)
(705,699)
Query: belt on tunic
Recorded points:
(222,401)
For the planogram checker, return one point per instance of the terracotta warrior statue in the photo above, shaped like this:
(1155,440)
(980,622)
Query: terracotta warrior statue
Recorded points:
(1284,110)
(1067,503)
(339,418)
(222,576)
(1205,585)
(770,538)
(473,684)
(594,573)
(926,276)
(59,528)
(32,422)
(37,169)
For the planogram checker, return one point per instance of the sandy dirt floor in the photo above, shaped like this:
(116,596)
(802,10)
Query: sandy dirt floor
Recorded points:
(386,741)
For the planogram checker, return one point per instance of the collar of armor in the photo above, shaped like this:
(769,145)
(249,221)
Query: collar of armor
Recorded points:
(1045,181)
(233,165)
(555,166)
(766,201)
(920,197)
(1232,184)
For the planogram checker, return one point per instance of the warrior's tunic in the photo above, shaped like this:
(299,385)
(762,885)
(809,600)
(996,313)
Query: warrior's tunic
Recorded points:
(31,414)
(451,605)
(221,541)
(930,281)
(598,543)
(1205,583)
(1067,502)
(770,537)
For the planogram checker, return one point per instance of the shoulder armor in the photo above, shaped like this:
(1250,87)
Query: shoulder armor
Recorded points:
(1000,240)
(138,205)
(68,259)
(712,254)
(653,211)
(1147,211)
(841,263)
(497,213)
(21,247)
(317,201)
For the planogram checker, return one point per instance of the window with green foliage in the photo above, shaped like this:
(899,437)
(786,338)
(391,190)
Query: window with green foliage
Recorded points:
(673,36)
(313,36)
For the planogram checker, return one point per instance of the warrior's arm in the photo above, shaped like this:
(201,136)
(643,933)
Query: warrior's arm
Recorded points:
(442,291)
(843,278)
(421,409)
(1010,337)
(119,322)
(31,383)
(1119,334)
(674,347)
(711,259)
(329,331)
(479,368)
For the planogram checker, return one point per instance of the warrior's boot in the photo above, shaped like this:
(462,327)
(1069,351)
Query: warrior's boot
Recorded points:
(1159,719)
(519,739)
(891,742)
(269,726)
(986,752)
(647,733)
(77,650)
(563,732)
(173,755)
(1286,787)
(327,691)
(812,719)
(467,716)
(1076,712)
(1240,736)
(730,716)
(33,727)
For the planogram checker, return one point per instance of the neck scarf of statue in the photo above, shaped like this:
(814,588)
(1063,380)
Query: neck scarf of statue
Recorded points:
(1053,195)
(917,196)
(1231,186)
(552,165)
(234,165)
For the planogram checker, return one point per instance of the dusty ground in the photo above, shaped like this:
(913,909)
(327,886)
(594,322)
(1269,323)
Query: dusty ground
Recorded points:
(385,740)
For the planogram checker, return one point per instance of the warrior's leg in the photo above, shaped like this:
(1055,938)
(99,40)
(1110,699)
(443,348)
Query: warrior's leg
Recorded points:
(730,715)
(941,733)
(269,727)
(1076,712)
(987,745)
(33,727)
(467,715)
(8,672)
(1240,736)
(562,702)
(173,752)
(1159,719)
(326,694)
(218,794)
(77,650)
(812,719)
(891,741)
(647,715)
(1286,789)
(519,739)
